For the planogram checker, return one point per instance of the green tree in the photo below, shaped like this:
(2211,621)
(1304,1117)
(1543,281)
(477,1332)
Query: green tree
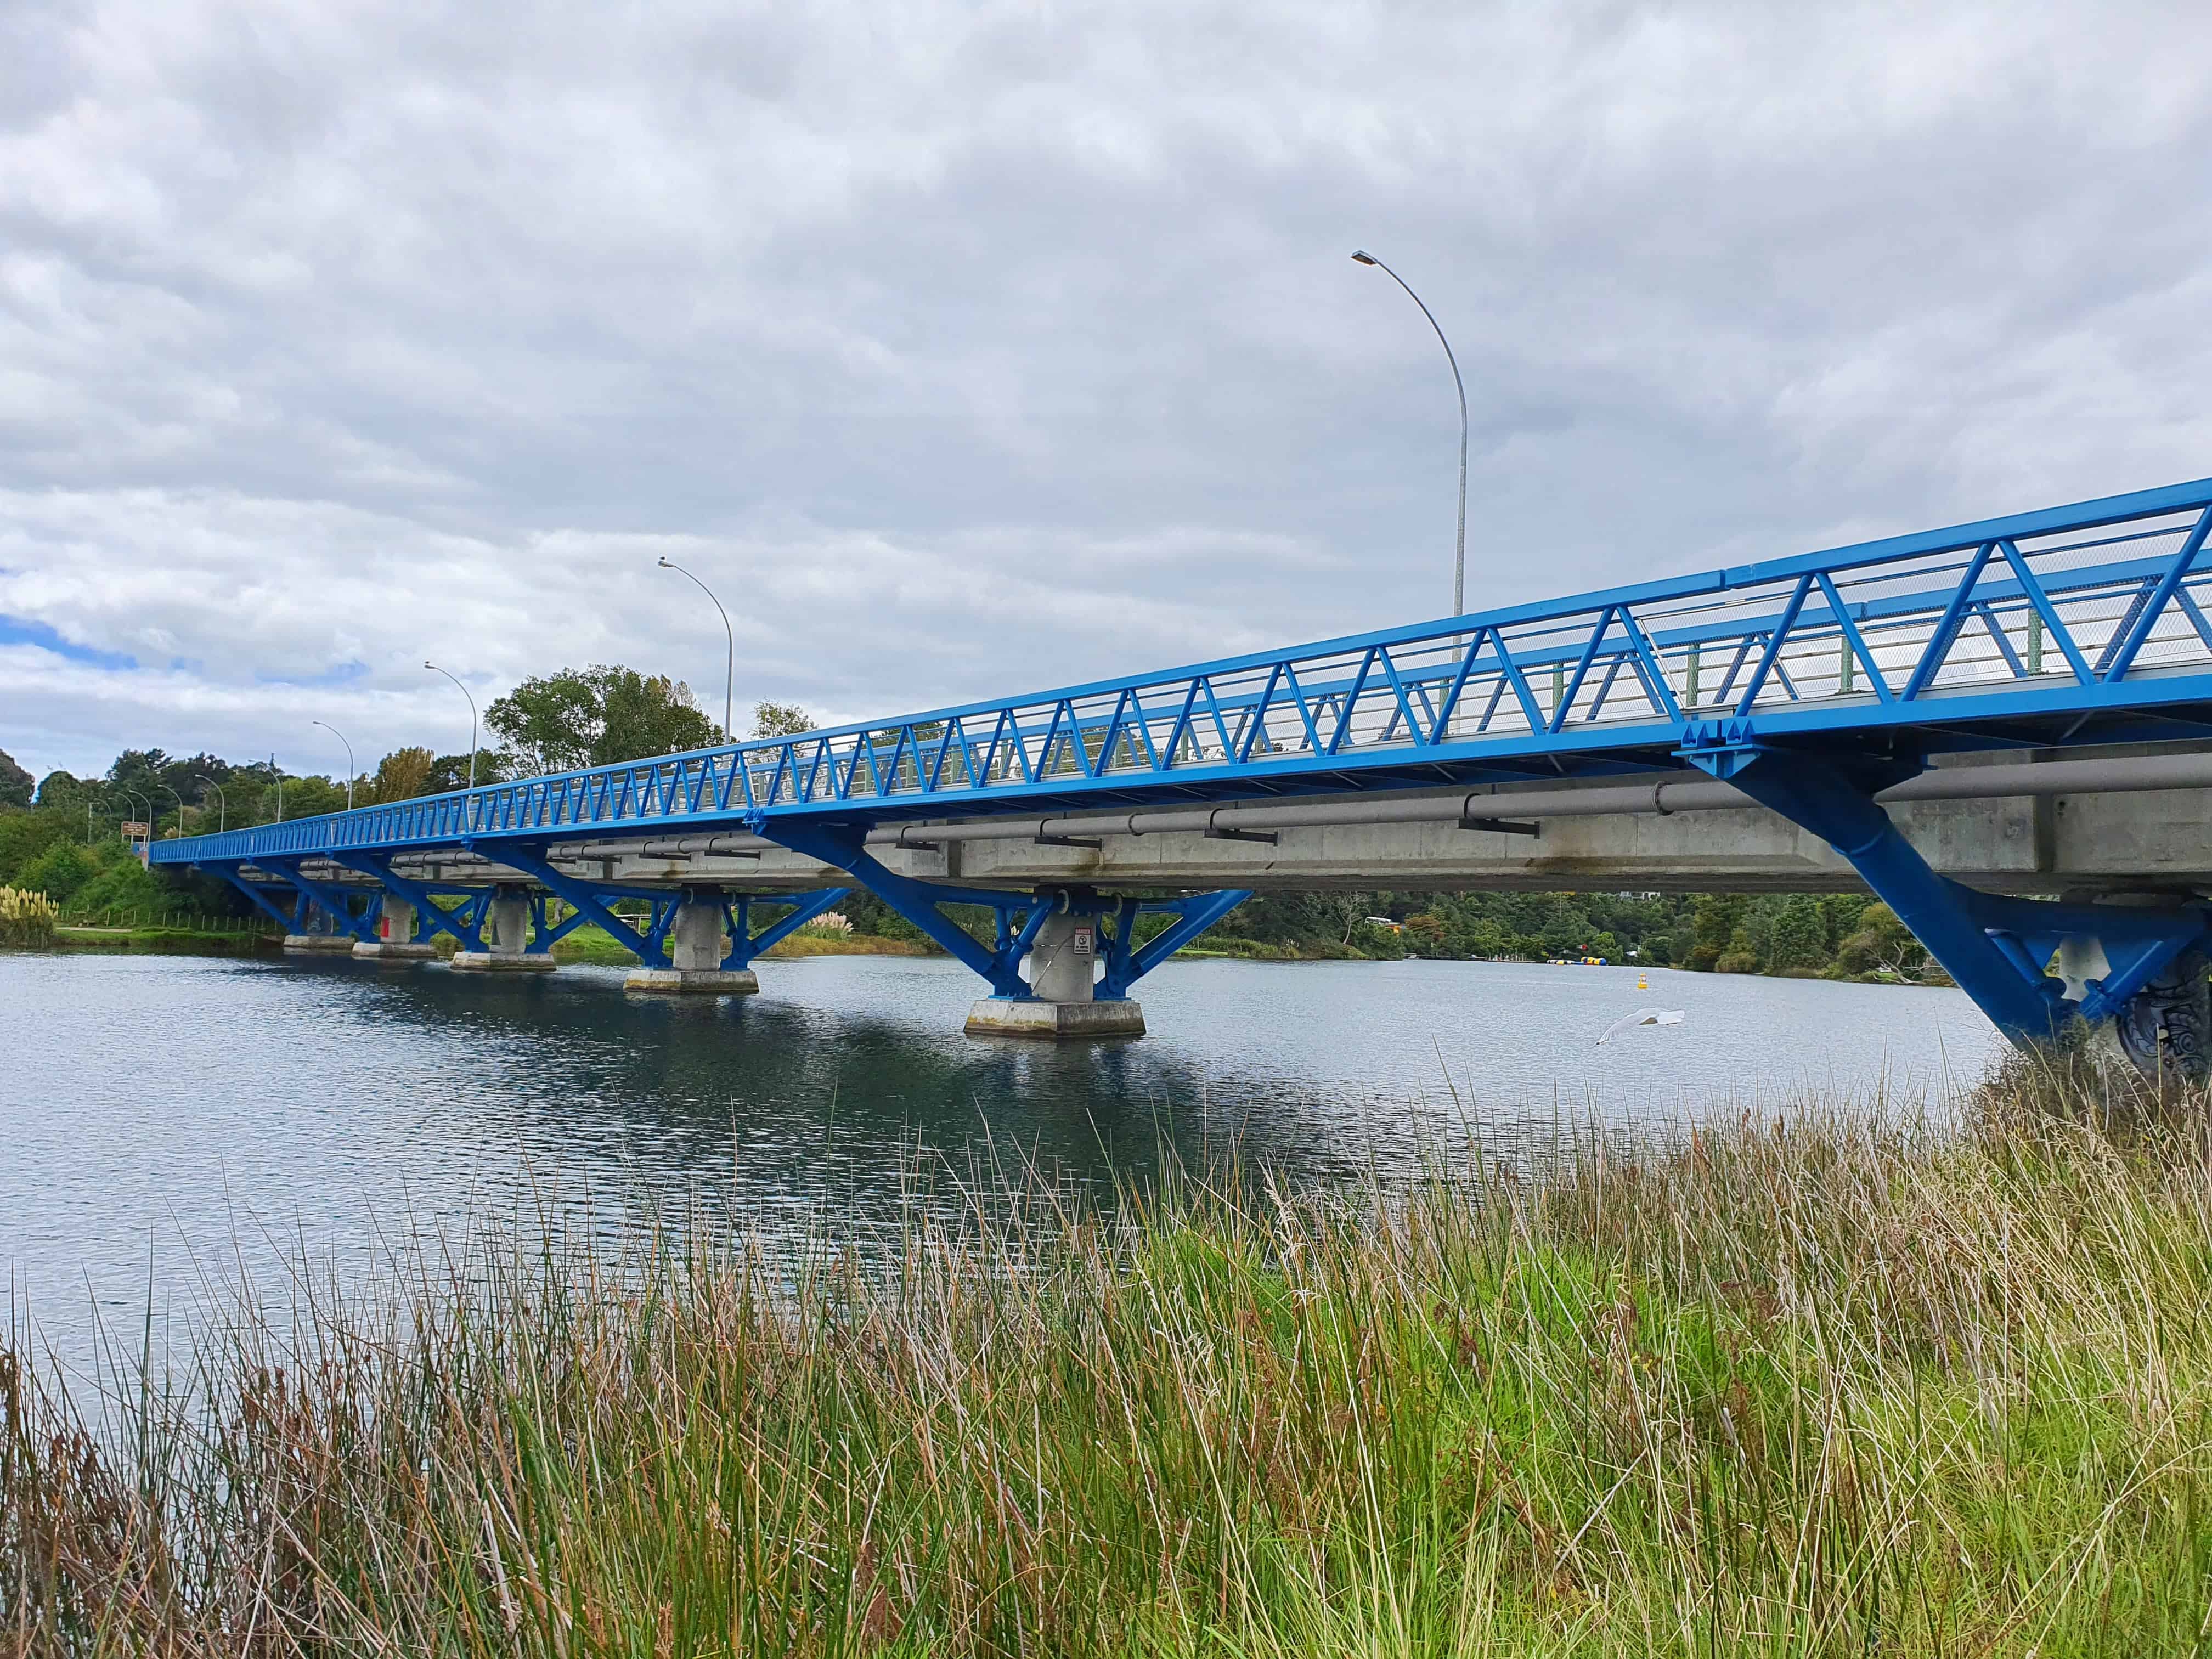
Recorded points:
(16,783)
(595,716)
(1713,926)
(1798,942)
(401,775)
(66,792)
(780,720)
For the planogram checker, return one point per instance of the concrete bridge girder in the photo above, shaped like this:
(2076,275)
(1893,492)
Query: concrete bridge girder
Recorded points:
(2142,834)
(2090,843)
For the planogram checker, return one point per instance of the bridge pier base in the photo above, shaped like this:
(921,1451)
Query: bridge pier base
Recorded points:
(395,941)
(1033,1017)
(698,944)
(1063,1000)
(507,931)
(299,944)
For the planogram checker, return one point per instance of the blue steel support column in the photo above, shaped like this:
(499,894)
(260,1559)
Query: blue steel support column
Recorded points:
(744,945)
(465,925)
(260,899)
(1125,964)
(916,901)
(1996,947)
(648,946)
(331,900)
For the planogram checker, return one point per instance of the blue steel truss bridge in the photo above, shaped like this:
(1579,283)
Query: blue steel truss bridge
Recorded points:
(1968,662)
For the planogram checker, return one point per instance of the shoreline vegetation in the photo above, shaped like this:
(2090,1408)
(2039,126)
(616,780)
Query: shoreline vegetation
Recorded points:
(1803,1386)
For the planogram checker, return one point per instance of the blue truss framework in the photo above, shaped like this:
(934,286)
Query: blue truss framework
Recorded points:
(2076,624)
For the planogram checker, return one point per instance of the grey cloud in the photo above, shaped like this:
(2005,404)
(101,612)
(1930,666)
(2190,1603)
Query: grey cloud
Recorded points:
(973,350)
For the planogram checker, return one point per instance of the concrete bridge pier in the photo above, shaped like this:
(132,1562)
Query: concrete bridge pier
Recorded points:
(506,930)
(698,947)
(395,939)
(315,932)
(1063,1000)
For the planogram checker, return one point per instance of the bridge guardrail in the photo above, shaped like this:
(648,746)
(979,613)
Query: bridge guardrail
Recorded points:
(2058,614)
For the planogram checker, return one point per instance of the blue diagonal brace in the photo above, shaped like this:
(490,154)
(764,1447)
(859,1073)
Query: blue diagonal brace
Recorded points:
(330,900)
(259,898)
(648,947)
(914,900)
(1819,795)
(745,946)
(1197,914)
(466,930)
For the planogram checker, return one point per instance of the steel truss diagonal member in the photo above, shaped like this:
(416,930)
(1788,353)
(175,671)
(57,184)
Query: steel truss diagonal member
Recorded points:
(465,925)
(916,901)
(332,902)
(590,901)
(1061,932)
(1996,948)
(288,920)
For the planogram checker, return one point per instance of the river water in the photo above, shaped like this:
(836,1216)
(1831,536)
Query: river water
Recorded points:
(170,1126)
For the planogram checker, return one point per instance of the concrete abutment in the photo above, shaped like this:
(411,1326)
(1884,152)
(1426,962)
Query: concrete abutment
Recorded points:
(1062,1003)
(698,945)
(395,929)
(507,931)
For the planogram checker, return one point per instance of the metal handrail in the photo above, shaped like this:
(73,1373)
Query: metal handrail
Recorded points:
(2032,619)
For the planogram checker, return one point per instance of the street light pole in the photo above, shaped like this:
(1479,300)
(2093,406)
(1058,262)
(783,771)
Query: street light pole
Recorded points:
(134,797)
(222,801)
(1459,557)
(340,737)
(466,692)
(179,800)
(730,672)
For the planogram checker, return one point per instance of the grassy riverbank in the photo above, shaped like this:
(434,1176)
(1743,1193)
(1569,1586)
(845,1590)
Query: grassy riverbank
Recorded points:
(595,944)
(1800,1389)
(195,937)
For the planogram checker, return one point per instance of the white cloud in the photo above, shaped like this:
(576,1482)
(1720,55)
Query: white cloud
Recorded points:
(967,349)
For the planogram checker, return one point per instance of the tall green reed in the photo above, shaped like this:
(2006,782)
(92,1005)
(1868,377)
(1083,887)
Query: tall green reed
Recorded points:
(1807,1386)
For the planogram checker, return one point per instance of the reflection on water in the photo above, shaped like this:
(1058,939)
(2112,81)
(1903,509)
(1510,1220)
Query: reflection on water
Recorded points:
(185,1119)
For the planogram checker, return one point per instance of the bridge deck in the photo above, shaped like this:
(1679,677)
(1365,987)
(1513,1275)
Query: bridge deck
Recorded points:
(2071,625)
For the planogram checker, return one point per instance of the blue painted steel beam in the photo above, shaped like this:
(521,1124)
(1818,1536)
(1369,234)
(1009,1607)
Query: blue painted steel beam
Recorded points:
(260,899)
(916,901)
(1995,947)
(1127,961)
(647,946)
(462,925)
(333,902)
(1453,700)
(744,945)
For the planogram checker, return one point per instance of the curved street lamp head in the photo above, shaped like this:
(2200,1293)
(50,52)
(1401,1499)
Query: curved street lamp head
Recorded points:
(471,696)
(730,672)
(343,738)
(1459,551)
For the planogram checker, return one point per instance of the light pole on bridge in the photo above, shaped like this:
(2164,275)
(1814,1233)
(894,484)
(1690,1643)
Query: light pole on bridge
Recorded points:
(179,800)
(340,737)
(222,801)
(730,674)
(1459,556)
(470,696)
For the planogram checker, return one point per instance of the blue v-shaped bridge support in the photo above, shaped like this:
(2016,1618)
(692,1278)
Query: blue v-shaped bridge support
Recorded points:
(1997,948)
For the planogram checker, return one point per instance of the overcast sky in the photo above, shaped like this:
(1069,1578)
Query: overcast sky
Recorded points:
(968,350)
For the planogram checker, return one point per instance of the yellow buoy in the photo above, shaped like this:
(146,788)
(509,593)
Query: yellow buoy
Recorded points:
(1640,985)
